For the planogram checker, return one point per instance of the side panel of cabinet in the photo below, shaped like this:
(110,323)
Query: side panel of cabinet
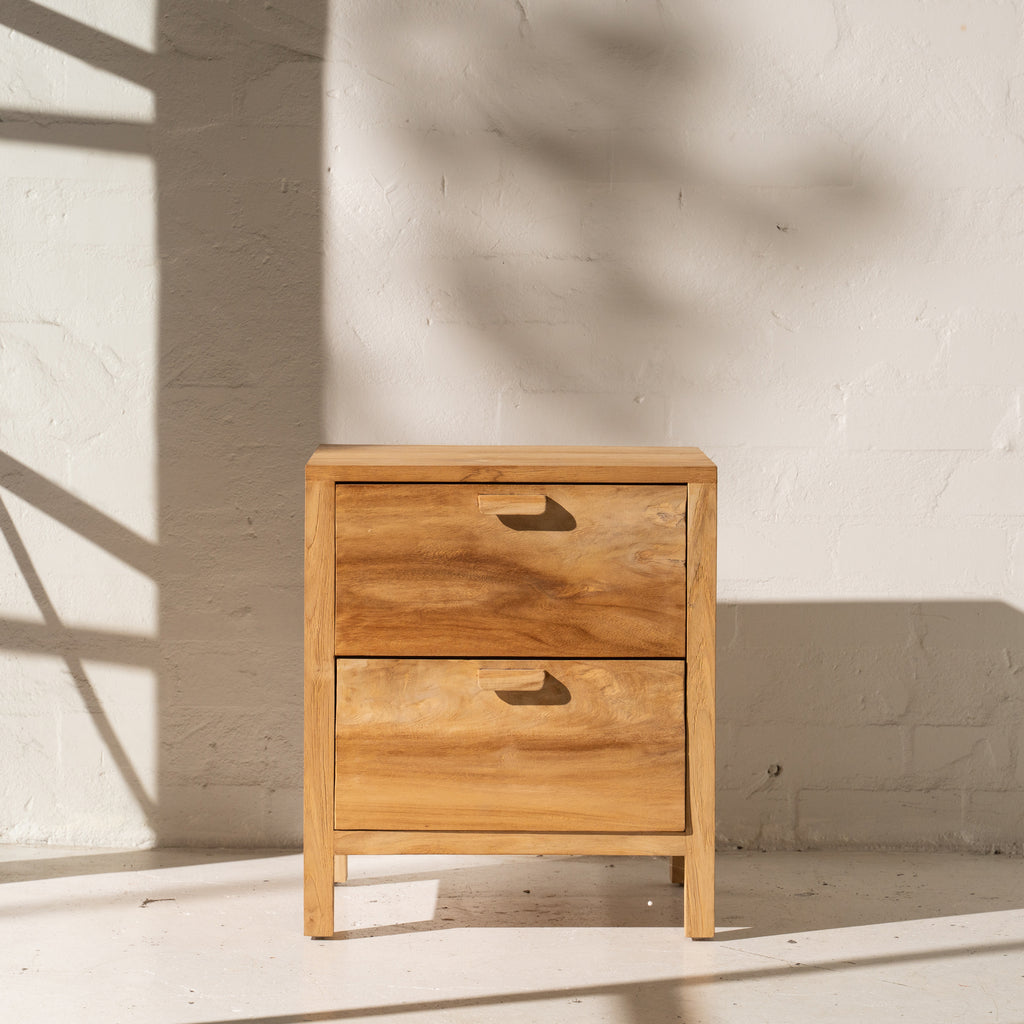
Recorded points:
(318,656)
(698,868)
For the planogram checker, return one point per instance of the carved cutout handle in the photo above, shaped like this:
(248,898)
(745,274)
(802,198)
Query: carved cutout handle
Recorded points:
(521,679)
(512,504)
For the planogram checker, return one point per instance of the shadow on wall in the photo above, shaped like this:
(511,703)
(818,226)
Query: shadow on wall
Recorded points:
(570,220)
(896,724)
(237,145)
(564,238)
(236,149)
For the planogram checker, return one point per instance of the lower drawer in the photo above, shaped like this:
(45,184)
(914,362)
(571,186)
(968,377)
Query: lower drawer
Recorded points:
(564,746)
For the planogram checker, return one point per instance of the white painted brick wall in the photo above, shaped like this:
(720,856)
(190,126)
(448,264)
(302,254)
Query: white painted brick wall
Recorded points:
(787,233)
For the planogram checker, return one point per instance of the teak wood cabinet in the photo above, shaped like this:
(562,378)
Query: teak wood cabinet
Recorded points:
(509,650)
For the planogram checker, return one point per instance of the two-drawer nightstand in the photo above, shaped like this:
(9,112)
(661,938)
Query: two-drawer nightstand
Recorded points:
(509,650)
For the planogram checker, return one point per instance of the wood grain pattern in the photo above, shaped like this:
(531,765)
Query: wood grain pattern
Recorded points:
(438,463)
(511,679)
(632,782)
(318,757)
(512,504)
(421,747)
(422,573)
(701,589)
(609,844)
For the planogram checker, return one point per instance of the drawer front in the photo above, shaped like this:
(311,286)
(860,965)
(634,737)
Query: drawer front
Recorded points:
(521,570)
(559,745)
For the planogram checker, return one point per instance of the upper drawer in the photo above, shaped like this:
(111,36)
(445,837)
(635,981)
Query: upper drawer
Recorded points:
(593,571)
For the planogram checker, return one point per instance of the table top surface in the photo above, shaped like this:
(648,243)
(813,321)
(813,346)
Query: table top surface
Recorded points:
(455,463)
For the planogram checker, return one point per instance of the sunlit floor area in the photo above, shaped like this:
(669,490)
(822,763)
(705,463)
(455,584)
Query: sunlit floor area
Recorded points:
(185,936)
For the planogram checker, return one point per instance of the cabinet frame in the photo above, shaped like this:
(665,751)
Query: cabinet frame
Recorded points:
(325,849)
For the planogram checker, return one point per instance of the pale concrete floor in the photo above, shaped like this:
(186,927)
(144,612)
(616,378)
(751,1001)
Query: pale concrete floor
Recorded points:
(206,936)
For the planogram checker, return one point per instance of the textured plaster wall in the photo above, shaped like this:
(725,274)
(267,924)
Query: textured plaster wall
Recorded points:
(160,390)
(788,233)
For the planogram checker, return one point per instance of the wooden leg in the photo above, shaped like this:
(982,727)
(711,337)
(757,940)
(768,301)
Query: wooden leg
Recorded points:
(340,868)
(678,868)
(319,897)
(699,894)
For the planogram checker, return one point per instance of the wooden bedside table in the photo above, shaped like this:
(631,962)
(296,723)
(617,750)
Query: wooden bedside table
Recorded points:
(509,650)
